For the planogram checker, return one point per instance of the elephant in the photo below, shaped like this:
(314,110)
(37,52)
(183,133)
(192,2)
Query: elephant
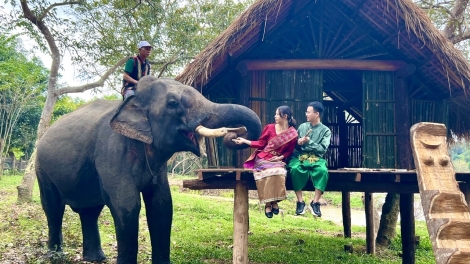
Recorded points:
(112,152)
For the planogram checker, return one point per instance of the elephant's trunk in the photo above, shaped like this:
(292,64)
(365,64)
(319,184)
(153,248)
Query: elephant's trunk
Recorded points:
(232,115)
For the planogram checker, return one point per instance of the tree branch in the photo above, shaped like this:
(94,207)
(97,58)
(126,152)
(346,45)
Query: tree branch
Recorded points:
(431,6)
(44,14)
(455,21)
(460,37)
(50,41)
(172,60)
(88,86)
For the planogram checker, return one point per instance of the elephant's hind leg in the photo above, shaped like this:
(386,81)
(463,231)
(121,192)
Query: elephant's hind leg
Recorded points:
(54,208)
(92,250)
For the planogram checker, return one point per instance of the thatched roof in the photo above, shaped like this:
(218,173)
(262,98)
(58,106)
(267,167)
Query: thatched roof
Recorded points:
(397,25)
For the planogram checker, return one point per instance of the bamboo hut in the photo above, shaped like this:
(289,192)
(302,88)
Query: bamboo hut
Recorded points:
(378,66)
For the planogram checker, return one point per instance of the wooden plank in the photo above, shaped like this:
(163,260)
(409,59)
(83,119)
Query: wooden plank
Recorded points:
(407,222)
(346,209)
(333,186)
(304,64)
(240,224)
(369,211)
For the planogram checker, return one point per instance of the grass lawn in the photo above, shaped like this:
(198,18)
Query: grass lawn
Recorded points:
(201,233)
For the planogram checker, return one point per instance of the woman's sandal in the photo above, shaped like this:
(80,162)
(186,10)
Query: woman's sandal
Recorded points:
(268,214)
(273,209)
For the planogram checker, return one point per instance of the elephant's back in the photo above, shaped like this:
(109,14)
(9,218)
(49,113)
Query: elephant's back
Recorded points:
(83,121)
(71,138)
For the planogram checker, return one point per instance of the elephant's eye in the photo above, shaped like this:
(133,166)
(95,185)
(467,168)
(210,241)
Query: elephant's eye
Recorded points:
(173,104)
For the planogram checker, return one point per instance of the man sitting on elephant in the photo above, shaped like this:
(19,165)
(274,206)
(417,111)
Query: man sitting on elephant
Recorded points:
(136,68)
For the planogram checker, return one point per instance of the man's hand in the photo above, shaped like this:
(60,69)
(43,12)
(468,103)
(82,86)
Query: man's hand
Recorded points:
(303,140)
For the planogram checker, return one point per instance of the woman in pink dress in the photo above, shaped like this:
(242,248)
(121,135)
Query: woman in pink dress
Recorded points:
(275,145)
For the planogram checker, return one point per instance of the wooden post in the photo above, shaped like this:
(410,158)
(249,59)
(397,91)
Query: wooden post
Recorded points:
(464,188)
(369,210)
(343,139)
(407,222)
(240,224)
(346,207)
(405,161)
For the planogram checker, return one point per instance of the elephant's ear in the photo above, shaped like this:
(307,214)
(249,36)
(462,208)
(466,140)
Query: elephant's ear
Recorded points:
(130,121)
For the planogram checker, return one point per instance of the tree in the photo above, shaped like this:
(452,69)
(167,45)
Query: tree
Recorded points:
(452,19)
(41,20)
(99,33)
(21,81)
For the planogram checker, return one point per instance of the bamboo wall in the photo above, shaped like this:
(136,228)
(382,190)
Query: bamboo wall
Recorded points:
(429,111)
(379,145)
(295,88)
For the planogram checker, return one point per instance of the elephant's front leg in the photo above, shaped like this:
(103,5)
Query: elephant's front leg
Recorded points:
(125,208)
(159,209)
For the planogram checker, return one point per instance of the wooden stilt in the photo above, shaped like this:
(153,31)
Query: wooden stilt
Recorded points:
(369,210)
(240,224)
(346,207)
(407,222)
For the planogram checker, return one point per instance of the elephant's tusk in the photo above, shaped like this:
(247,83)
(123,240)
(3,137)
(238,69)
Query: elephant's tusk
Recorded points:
(218,132)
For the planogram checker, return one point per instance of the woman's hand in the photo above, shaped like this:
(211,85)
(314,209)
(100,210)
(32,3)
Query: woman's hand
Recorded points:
(276,158)
(240,141)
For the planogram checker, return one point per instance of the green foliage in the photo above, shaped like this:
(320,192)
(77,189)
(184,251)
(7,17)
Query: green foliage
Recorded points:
(201,233)
(64,105)
(335,199)
(98,33)
(22,80)
(460,155)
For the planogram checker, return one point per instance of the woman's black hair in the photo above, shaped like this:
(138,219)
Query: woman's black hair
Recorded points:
(285,110)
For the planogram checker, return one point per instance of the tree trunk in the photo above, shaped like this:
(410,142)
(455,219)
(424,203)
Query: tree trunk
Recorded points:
(1,166)
(1,158)
(25,190)
(388,221)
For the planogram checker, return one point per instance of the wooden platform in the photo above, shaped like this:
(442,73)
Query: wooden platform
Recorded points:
(343,180)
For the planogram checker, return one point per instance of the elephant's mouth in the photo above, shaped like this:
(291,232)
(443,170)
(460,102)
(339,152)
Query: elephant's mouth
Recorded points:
(191,136)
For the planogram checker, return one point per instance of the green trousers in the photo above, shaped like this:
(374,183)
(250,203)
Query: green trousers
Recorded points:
(302,171)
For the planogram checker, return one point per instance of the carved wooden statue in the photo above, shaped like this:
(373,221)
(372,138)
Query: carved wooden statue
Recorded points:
(446,212)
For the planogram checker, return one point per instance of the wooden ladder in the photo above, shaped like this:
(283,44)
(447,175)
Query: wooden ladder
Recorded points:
(446,212)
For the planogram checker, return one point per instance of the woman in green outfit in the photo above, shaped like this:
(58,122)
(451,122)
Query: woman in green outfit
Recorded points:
(307,162)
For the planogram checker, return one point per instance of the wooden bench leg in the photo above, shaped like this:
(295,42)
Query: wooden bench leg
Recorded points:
(240,224)
(407,222)
(346,207)
(369,210)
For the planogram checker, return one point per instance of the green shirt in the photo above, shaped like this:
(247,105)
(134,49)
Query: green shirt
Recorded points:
(132,69)
(319,138)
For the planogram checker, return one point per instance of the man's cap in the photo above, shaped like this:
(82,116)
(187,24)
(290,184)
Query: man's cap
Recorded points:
(143,43)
